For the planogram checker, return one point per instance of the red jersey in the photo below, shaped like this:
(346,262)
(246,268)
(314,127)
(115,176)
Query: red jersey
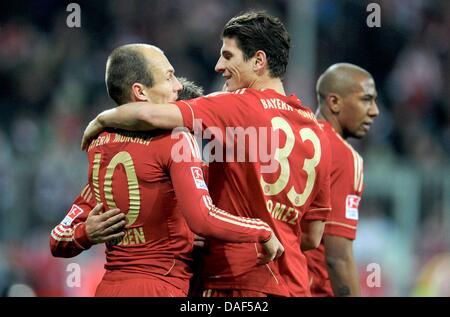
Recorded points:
(69,238)
(147,175)
(297,188)
(347,185)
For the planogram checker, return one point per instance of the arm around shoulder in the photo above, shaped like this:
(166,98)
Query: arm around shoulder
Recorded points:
(141,116)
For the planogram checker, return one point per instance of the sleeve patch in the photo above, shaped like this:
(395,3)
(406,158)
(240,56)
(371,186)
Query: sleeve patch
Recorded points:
(351,207)
(197,174)
(74,212)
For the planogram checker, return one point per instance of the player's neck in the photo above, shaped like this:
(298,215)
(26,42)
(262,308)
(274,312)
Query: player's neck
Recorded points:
(322,114)
(270,83)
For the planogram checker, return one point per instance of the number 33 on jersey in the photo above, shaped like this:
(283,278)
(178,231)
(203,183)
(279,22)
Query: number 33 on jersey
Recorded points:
(290,190)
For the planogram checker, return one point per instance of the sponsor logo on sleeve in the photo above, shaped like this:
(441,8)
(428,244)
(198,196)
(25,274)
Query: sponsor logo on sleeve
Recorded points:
(351,207)
(197,174)
(74,212)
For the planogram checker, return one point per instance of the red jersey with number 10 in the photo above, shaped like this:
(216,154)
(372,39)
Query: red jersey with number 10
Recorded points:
(293,184)
(157,180)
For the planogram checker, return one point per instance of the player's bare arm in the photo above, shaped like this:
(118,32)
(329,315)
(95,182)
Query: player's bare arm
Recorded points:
(135,116)
(341,266)
(312,231)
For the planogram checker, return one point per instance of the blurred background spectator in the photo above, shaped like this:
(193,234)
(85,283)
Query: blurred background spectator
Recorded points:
(52,79)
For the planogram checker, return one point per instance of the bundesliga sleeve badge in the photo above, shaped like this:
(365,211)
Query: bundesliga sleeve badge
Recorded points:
(351,207)
(74,212)
(197,174)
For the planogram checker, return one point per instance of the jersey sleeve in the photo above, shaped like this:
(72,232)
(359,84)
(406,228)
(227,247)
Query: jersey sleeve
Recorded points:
(345,198)
(213,110)
(201,215)
(69,237)
(320,207)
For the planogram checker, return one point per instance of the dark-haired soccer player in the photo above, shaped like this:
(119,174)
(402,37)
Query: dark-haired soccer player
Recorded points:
(140,173)
(347,107)
(253,61)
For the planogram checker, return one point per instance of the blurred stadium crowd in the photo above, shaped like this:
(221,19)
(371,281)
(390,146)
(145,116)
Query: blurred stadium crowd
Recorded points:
(52,80)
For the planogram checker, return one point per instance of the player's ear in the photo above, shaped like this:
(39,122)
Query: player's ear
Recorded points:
(334,103)
(138,92)
(259,61)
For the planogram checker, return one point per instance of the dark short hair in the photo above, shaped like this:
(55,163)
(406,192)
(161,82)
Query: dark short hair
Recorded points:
(190,89)
(126,66)
(256,31)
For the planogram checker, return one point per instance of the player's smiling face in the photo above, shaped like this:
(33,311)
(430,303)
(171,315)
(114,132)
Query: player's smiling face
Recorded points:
(238,73)
(360,109)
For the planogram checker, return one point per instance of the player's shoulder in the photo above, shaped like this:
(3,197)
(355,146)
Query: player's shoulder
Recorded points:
(334,138)
(165,140)
(179,136)
(111,140)
(102,139)
(132,138)
(180,133)
(342,151)
(341,146)
(237,94)
(219,97)
(308,119)
(233,100)
(183,146)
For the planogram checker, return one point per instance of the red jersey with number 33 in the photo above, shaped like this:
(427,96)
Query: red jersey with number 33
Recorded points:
(292,185)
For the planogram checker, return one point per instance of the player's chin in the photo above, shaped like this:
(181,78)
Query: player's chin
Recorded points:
(232,86)
(361,133)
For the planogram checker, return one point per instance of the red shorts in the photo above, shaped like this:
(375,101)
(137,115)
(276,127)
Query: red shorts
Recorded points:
(232,293)
(136,285)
